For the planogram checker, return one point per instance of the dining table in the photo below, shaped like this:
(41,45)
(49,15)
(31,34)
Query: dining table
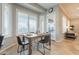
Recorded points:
(36,36)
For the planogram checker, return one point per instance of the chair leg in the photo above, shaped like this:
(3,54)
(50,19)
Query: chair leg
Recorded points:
(18,49)
(39,49)
(23,47)
(0,47)
(44,49)
(21,50)
(37,46)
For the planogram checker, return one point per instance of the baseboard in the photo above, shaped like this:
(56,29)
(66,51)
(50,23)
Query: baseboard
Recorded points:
(7,47)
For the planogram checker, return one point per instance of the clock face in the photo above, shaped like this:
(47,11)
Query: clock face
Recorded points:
(50,10)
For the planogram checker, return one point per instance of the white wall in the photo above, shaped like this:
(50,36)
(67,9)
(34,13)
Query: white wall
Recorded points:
(75,22)
(59,24)
(66,23)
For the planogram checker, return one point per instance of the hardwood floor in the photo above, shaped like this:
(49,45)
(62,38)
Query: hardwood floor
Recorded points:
(66,47)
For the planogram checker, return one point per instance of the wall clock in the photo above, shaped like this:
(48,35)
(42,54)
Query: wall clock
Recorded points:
(50,10)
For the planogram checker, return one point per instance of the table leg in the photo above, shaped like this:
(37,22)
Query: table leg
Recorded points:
(30,47)
(50,44)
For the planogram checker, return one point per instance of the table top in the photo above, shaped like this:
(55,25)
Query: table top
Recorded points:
(32,35)
(36,35)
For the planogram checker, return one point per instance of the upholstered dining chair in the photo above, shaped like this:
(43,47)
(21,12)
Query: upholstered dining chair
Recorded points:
(43,41)
(22,44)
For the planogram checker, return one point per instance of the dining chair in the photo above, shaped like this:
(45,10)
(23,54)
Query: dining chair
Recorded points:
(43,42)
(1,40)
(22,44)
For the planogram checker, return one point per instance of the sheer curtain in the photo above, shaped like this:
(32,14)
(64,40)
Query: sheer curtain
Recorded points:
(26,23)
(6,19)
(22,27)
(32,24)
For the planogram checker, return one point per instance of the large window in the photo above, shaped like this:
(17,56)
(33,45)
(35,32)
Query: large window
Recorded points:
(22,23)
(26,23)
(32,24)
(6,19)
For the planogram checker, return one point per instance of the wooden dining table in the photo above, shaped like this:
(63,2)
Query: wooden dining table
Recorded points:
(36,36)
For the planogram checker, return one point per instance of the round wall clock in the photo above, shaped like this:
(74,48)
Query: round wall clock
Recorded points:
(50,10)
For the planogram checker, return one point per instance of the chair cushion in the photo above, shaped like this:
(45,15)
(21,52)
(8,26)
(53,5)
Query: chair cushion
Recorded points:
(25,43)
(42,41)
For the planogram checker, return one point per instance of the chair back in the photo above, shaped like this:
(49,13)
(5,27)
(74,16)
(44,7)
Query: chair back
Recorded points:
(23,38)
(19,40)
(1,39)
(47,38)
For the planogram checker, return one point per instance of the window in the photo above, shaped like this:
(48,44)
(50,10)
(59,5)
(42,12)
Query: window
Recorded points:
(32,24)
(26,23)
(6,19)
(50,25)
(22,23)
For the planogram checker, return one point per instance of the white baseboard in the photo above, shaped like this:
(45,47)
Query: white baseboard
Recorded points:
(7,47)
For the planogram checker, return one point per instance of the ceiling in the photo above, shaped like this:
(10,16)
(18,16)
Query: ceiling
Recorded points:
(38,7)
(47,5)
(33,6)
(72,9)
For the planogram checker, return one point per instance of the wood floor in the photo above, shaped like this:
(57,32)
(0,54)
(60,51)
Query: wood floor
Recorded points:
(66,47)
